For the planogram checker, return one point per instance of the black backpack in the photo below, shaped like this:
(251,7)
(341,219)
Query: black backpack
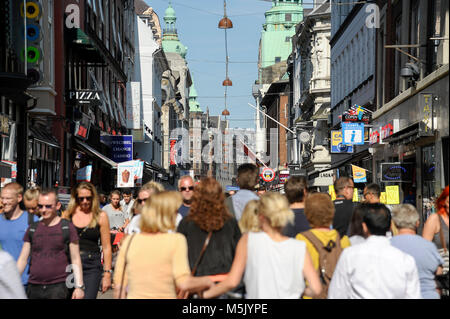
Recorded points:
(65,232)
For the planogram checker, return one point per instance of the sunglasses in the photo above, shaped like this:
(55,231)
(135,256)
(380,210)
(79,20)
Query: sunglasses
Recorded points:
(46,206)
(185,189)
(140,201)
(88,198)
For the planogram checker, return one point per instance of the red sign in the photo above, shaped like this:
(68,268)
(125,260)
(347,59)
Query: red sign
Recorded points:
(387,130)
(374,137)
(82,131)
(172,151)
(268,174)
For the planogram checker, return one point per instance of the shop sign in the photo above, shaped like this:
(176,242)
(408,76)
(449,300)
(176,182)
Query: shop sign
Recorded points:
(82,127)
(283,175)
(387,130)
(121,147)
(4,125)
(357,114)
(397,172)
(84,174)
(374,137)
(90,97)
(427,101)
(336,143)
(353,133)
(129,174)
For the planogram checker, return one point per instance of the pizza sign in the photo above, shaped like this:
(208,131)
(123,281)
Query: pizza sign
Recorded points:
(268,174)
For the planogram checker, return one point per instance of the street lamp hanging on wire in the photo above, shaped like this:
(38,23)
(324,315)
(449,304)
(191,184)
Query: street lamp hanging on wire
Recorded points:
(225,23)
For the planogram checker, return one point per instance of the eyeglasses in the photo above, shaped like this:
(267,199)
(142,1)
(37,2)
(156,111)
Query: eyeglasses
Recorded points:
(88,198)
(185,189)
(46,206)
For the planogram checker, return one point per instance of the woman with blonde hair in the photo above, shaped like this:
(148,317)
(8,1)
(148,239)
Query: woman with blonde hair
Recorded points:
(275,266)
(249,220)
(153,263)
(92,226)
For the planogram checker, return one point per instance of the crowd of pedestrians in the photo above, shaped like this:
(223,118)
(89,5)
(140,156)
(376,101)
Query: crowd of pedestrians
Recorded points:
(199,242)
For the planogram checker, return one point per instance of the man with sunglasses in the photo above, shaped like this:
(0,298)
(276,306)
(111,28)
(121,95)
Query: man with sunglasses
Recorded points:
(186,187)
(343,204)
(50,260)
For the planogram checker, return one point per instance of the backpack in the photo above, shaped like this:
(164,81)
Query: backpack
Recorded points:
(328,258)
(65,232)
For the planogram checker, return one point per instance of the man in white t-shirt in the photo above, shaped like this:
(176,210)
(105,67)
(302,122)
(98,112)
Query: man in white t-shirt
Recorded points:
(375,269)
(127,202)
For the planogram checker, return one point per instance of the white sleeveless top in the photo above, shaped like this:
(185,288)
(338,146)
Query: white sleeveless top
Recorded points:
(274,270)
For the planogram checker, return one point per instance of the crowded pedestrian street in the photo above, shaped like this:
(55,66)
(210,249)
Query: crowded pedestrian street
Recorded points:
(245,152)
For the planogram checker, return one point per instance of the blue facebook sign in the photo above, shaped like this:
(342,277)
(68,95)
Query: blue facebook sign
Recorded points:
(121,147)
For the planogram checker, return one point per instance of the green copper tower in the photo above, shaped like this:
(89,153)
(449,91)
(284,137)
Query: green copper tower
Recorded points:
(194,106)
(281,19)
(170,41)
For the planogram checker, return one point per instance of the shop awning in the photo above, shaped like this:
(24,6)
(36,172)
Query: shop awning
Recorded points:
(93,152)
(43,137)
(354,158)
(409,134)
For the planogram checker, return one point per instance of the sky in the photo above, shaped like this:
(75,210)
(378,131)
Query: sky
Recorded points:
(197,25)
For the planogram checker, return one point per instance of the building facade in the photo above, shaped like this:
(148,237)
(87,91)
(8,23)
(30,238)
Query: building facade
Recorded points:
(311,95)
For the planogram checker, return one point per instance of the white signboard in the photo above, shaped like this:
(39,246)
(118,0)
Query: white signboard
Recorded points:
(134,105)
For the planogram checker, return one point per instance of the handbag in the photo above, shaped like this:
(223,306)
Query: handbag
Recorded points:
(443,280)
(185,295)
(125,266)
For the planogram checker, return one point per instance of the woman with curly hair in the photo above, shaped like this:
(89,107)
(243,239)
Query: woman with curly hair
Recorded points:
(209,214)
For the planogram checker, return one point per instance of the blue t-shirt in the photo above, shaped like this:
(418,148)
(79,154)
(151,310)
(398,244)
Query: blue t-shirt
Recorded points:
(183,210)
(427,260)
(11,237)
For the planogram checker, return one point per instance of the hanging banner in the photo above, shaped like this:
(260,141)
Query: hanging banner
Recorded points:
(359,174)
(129,174)
(332,192)
(173,141)
(392,195)
(84,174)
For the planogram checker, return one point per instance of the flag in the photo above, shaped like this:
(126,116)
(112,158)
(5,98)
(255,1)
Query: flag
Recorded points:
(359,174)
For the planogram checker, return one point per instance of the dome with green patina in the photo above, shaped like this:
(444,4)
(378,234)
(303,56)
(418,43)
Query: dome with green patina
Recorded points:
(281,19)
(170,41)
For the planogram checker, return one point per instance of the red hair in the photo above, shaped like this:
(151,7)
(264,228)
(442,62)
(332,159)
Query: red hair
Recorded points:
(440,202)
(208,209)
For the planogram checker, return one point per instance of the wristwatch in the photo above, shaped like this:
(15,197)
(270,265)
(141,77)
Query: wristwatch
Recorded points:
(108,270)
(82,287)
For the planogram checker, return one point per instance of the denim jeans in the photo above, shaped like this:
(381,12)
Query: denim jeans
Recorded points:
(92,273)
(53,291)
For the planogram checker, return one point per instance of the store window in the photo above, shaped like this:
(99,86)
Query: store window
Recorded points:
(428,177)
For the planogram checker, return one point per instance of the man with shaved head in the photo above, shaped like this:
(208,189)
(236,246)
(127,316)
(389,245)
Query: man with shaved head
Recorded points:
(186,188)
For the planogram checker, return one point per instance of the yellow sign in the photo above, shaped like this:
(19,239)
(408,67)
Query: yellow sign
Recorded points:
(392,195)
(383,198)
(355,195)
(332,192)
(359,174)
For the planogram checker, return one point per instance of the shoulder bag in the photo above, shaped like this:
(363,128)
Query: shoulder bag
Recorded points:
(185,295)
